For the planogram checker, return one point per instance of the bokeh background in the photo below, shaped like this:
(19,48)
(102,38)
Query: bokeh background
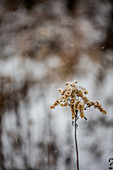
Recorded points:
(43,44)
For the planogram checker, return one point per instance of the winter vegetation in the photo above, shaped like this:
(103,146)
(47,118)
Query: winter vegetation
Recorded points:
(74,97)
(43,44)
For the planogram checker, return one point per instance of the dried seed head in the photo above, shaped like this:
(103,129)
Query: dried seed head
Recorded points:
(86,100)
(67,83)
(73,96)
(75,81)
(104,111)
(52,107)
(60,90)
(85,92)
(82,114)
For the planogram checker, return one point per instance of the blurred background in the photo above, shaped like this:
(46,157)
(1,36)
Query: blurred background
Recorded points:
(43,44)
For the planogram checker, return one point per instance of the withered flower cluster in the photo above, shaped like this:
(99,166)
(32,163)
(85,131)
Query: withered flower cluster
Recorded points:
(74,96)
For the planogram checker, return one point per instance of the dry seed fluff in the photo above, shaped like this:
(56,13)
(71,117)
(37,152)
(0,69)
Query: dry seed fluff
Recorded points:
(74,96)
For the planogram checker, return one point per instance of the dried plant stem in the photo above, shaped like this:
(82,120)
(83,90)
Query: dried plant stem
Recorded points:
(74,96)
(76,145)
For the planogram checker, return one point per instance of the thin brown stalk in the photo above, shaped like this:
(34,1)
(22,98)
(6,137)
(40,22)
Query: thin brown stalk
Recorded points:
(76,144)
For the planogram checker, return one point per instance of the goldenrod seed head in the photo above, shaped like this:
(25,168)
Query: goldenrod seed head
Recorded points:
(80,91)
(74,97)
(85,92)
(104,112)
(52,107)
(66,103)
(60,90)
(61,104)
(86,100)
(82,114)
(62,93)
(75,81)
(67,83)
